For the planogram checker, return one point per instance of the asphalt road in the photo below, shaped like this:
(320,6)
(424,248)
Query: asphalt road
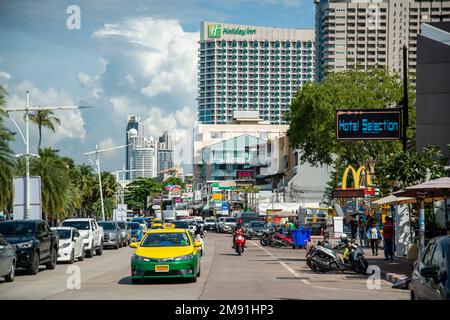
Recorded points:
(260,273)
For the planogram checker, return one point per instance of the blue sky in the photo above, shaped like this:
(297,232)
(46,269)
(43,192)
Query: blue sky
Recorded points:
(128,57)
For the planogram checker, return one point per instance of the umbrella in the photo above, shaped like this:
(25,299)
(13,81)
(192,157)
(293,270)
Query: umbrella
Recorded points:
(438,188)
(391,199)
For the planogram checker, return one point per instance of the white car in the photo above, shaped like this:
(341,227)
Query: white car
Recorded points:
(91,233)
(71,245)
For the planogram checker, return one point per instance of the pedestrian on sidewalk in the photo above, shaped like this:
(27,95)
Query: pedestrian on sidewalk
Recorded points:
(388,235)
(362,232)
(353,228)
(374,234)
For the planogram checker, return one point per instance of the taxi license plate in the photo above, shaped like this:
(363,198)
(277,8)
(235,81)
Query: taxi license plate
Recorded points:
(162,268)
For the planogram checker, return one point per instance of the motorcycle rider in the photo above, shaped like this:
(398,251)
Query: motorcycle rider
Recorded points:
(345,245)
(237,231)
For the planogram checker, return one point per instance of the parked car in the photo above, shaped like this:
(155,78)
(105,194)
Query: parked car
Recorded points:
(136,231)
(210,223)
(112,236)
(70,245)
(35,242)
(430,279)
(7,259)
(91,233)
(255,229)
(126,232)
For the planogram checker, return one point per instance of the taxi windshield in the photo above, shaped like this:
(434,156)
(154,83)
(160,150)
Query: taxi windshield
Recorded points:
(166,240)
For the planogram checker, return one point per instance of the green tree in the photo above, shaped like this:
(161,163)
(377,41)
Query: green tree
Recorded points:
(44,119)
(313,115)
(139,189)
(55,181)
(8,162)
(174,181)
(85,180)
(109,205)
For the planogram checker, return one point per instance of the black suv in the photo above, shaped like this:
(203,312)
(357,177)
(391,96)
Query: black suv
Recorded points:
(35,243)
(430,278)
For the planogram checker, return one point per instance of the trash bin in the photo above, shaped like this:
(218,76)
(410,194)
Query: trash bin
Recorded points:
(300,237)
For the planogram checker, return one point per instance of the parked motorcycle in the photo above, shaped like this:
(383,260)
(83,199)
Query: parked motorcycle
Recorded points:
(239,244)
(280,240)
(323,259)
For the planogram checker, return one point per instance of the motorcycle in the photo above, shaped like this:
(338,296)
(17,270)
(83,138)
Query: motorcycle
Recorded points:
(323,259)
(280,240)
(266,238)
(239,244)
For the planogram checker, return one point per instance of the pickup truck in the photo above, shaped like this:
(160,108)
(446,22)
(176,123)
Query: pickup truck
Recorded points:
(35,242)
(91,233)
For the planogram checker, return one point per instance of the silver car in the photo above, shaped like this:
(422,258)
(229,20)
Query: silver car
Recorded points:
(7,260)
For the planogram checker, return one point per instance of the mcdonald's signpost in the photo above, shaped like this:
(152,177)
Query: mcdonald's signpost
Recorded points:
(356,191)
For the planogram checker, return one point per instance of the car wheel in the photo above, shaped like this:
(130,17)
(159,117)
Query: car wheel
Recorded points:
(136,281)
(90,253)
(99,251)
(34,268)
(72,257)
(83,255)
(12,272)
(121,244)
(52,263)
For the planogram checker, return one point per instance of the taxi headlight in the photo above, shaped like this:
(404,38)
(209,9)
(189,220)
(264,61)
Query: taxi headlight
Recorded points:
(186,257)
(135,257)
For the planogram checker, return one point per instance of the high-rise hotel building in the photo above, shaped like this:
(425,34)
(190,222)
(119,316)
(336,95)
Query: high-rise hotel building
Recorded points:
(251,68)
(368,33)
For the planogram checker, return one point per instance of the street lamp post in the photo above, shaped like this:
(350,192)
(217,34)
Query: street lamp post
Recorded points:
(27,110)
(97,163)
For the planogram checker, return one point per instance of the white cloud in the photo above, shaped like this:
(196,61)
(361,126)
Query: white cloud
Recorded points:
(84,79)
(151,62)
(4,74)
(72,122)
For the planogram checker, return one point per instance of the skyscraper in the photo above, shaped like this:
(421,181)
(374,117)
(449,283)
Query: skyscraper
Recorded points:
(141,152)
(251,68)
(369,33)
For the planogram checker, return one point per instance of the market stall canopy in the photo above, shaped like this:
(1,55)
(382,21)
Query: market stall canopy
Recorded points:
(439,188)
(391,199)
(283,214)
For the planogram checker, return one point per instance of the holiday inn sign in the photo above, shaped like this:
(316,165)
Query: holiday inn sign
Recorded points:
(216,31)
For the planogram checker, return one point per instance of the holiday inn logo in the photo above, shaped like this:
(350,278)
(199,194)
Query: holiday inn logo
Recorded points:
(214,31)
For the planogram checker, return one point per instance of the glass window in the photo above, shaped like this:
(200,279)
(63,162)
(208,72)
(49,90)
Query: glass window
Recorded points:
(438,258)
(426,260)
(171,239)
(80,225)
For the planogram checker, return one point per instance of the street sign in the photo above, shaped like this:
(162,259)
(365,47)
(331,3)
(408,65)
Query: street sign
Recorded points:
(225,206)
(244,175)
(217,196)
(19,198)
(369,124)
(348,193)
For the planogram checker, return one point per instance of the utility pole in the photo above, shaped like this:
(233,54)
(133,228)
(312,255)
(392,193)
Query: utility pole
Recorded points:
(27,110)
(405,96)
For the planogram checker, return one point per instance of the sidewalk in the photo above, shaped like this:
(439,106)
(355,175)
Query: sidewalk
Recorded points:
(392,271)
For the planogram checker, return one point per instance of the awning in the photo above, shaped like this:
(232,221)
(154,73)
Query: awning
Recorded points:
(391,199)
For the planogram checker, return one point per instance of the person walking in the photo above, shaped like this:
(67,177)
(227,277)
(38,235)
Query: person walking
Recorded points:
(374,234)
(388,235)
(353,228)
(362,232)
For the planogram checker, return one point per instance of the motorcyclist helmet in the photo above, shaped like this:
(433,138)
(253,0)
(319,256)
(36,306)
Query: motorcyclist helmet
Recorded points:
(344,237)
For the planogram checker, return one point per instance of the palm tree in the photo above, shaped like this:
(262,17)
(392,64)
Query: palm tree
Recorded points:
(7,160)
(44,119)
(55,181)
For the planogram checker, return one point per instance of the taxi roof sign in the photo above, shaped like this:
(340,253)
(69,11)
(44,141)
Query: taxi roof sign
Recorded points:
(169,226)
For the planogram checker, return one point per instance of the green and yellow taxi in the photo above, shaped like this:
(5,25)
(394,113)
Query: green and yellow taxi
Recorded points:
(166,253)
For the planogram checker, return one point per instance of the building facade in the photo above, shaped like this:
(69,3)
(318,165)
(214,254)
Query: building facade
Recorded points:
(433,87)
(251,68)
(369,33)
(245,149)
(141,150)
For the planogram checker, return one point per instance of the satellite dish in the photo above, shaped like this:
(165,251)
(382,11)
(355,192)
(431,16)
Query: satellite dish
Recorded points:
(339,210)
(132,132)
